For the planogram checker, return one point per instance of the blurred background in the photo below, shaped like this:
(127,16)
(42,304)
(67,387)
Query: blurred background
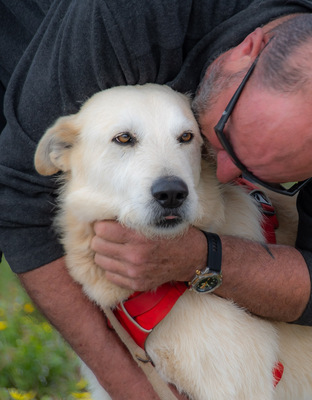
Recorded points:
(35,362)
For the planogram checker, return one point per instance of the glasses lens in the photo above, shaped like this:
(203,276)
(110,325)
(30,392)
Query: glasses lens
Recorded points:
(293,187)
(288,189)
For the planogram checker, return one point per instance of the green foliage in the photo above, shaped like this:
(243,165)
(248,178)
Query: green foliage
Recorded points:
(35,362)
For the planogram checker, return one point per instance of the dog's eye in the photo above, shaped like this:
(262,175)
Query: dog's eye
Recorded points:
(124,138)
(186,137)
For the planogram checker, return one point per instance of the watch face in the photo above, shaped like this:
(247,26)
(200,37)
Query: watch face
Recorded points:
(208,284)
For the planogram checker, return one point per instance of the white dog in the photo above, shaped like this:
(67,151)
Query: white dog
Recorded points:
(113,153)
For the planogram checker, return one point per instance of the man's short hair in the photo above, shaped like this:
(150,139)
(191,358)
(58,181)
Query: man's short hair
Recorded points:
(286,64)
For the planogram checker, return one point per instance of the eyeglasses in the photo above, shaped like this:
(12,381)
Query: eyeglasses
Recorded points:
(289,189)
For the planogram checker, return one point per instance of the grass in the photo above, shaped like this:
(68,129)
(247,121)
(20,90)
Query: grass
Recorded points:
(35,362)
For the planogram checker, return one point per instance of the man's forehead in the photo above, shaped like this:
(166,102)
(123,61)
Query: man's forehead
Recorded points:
(263,110)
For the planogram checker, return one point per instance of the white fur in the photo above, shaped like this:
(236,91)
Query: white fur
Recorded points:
(207,346)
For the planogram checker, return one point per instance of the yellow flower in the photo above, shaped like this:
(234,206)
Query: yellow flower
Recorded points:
(3,325)
(81,384)
(83,396)
(18,395)
(46,327)
(29,308)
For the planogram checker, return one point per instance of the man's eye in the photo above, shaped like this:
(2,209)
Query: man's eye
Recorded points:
(186,137)
(124,138)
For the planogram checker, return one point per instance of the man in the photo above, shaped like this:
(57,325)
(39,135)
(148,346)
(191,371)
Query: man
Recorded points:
(59,54)
(273,282)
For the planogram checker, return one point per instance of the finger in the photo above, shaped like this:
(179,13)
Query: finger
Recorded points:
(112,231)
(125,282)
(125,274)
(120,274)
(107,243)
(122,268)
(110,265)
(99,245)
(106,251)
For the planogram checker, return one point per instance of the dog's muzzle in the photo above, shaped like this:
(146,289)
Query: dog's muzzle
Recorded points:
(170,192)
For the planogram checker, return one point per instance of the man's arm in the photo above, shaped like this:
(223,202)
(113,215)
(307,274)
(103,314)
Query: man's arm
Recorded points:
(83,325)
(271,281)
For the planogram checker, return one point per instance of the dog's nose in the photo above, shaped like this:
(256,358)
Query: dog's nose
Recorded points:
(170,191)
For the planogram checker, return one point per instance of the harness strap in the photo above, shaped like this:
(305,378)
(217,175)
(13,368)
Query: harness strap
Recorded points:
(278,371)
(269,221)
(269,224)
(140,357)
(144,310)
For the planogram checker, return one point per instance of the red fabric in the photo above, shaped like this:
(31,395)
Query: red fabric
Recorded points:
(269,224)
(269,219)
(278,371)
(147,309)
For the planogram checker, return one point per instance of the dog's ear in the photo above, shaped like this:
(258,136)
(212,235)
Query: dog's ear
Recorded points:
(53,151)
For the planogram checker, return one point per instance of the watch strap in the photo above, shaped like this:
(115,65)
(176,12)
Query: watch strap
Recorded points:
(214,256)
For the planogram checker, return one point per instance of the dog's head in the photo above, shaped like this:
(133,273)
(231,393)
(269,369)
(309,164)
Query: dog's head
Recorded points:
(132,153)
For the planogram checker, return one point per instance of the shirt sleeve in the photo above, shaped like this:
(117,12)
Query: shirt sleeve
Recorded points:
(80,47)
(304,242)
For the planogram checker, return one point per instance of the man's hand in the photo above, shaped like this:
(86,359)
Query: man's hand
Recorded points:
(134,262)
(272,284)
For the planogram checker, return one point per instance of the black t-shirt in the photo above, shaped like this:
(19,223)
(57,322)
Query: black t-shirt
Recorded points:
(304,240)
(56,54)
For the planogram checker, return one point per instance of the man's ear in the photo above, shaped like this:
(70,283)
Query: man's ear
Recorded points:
(244,53)
(53,150)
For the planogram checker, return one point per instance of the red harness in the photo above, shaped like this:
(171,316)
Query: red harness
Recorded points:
(269,224)
(269,220)
(142,311)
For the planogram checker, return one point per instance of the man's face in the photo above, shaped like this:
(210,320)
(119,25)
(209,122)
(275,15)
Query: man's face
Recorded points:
(270,132)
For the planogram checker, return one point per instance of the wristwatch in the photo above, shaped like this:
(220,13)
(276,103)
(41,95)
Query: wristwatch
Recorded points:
(209,279)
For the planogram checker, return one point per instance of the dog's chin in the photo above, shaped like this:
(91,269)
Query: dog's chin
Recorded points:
(160,228)
(169,226)
(171,221)
(162,223)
